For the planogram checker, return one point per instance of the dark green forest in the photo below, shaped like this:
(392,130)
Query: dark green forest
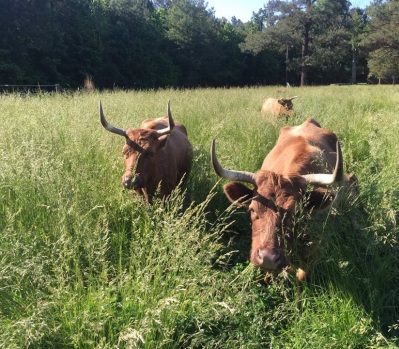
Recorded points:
(143,44)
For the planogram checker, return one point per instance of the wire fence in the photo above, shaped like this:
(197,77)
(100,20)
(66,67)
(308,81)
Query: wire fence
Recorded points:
(31,88)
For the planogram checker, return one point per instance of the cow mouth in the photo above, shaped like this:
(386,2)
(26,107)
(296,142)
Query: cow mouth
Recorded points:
(134,183)
(130,187)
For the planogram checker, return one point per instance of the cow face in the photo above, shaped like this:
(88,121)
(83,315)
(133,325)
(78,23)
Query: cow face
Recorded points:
(275,205)
(287,103)
(140,157)
(140,151)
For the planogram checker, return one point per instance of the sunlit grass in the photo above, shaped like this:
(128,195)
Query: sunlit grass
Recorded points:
(83,264)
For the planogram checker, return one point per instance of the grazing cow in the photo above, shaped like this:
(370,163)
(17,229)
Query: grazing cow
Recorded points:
(157,155)
(277,107)
(303,170)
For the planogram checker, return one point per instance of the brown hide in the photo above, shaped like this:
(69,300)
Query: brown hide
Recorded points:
(155,162)
(281,187)
(277,107)
(303,149)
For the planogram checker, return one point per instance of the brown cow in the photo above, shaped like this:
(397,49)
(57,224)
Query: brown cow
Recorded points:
(277,107)
(157,155)
(298,172)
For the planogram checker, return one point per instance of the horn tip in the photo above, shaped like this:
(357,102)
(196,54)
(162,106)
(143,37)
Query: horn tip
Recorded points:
(213,146)
(214,161)
(100,109)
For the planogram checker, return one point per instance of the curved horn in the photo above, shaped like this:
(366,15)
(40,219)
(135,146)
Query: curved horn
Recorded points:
(287,99)
(171,122)
(240,176)
(106,125)
(326,179)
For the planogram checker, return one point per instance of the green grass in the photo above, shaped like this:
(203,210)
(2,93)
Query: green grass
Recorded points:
(83,264)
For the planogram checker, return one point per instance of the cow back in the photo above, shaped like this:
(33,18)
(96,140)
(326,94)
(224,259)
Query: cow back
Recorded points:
(307,148)
(161,123)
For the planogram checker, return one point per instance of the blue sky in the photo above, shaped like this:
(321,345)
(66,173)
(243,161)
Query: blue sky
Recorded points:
(243,9)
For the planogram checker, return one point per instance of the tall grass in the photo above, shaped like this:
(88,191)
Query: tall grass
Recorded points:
(83,264)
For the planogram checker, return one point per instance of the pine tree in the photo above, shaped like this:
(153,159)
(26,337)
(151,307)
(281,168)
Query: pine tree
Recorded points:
(382,40)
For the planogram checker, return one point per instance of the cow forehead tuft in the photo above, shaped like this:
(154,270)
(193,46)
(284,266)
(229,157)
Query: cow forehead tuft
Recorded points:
(139,139)
(265,201)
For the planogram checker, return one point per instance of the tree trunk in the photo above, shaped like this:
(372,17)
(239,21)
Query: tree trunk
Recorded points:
(305,53)
(286,65)
(353,80)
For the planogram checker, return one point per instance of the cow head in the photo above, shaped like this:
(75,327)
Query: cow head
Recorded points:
(287,103)
(273,204)
(139,150)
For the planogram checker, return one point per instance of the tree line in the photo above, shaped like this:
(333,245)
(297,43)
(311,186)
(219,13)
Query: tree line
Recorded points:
(181,43)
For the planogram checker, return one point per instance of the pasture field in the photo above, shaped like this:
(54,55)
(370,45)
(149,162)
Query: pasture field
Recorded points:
(83,264)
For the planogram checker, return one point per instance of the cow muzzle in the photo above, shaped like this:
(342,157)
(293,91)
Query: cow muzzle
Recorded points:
(130,182)
(270,259)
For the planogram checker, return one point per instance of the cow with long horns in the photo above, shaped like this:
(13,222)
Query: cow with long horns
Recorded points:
(304,169)
(158,155)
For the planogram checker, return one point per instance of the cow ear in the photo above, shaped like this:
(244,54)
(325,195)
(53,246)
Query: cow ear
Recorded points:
(162,141)
(238,193)
(320,199)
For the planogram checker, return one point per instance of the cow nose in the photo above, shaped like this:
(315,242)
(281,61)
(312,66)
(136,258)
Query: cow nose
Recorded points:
(270,259)
(127,182)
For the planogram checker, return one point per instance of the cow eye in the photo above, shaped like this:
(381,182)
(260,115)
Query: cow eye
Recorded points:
(254,215)
(126,153)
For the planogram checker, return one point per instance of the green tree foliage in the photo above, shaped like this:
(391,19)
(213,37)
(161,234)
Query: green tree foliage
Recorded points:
(153,43)
(26,41)
(313,35)
(193,31)
(358,22)
(382,40)
(384,64)
(330,49)
(77,40)
(133,44)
